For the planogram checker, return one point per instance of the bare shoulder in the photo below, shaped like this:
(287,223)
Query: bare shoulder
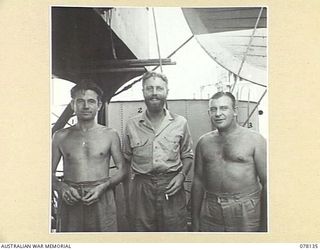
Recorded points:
(253,136)
(207,138)
(110,132)
(61,134)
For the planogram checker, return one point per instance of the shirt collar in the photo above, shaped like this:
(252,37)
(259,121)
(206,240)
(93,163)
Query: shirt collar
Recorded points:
(167,113)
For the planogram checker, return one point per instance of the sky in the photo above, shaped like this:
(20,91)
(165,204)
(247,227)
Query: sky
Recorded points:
(193,69)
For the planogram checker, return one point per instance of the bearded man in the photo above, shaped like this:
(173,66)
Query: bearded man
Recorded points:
(158,147)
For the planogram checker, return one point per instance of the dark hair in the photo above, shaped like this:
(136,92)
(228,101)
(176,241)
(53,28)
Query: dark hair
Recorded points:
(87,84)
(228,94)
(150,74)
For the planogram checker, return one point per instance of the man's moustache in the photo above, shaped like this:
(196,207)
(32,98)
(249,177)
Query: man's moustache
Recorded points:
(155,98)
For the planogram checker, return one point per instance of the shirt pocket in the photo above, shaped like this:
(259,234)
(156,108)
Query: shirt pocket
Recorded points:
(171,145)
(140,149)
(137,144)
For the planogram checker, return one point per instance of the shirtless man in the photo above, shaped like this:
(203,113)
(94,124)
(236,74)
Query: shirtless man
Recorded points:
(86,199)
(229,191)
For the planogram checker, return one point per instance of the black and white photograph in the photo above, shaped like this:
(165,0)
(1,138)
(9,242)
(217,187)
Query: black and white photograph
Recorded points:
(159,119)
(143,124)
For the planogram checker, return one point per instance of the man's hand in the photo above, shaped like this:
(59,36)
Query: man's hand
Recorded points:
(175,184)
(93,194)
(70,195)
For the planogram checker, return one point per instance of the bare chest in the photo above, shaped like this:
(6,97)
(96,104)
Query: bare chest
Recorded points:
(222,150)
(85,146)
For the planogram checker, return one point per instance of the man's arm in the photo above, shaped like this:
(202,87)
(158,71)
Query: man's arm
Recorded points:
(176,183)
(127,153)
(260,159)
(186,155)
(115,149)
(126,192)
(68,194)
(197,190)
(56,156)
(118,160)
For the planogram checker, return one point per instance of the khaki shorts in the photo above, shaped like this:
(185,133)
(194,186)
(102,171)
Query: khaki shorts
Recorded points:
(231,212)
(98,217)
(151,211)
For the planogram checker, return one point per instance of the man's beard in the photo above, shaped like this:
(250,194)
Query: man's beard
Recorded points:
(155,107)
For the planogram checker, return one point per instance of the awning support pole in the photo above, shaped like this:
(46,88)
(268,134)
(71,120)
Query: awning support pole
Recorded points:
(245,123)
(248,47)
(156,31)
(63,119)
(139,79)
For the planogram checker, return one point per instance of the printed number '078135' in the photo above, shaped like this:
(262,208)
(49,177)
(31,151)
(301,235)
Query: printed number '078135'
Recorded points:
(308,246)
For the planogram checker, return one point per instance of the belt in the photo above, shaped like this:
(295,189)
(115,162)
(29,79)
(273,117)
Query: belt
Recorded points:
(86,183)
(250,190)
(155,174)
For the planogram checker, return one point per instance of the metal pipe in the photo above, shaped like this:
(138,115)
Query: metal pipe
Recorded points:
(58,118)
(250,41)
(126,62)
(111,35)
(248,97)
(248,47)
(156,31)
(135,69)
(181,46)
(248,104)
(63,119)
(134,82)
(244,124)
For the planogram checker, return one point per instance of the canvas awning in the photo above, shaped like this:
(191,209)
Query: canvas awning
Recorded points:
(236,38)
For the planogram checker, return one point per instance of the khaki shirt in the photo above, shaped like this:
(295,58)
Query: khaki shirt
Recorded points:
(158,151)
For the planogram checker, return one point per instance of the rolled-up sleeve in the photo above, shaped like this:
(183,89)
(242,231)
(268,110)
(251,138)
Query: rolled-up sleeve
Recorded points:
(186,143)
